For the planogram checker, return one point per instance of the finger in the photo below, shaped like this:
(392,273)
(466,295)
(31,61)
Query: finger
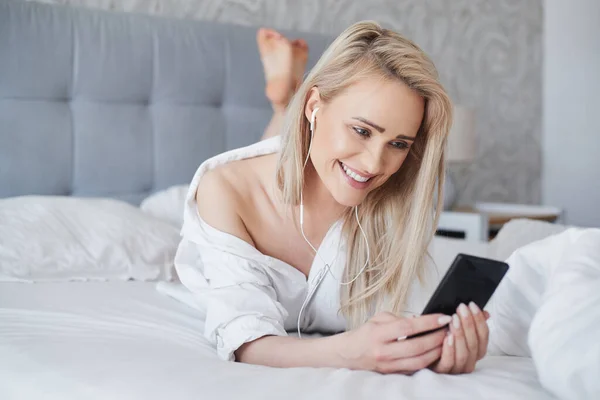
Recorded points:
(411,326)
(483,331)
(468,326)
(412,364)
(487,315)
(446,362)
(461,353)
(416,346)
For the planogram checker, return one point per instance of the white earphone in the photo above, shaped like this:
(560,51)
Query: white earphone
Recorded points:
(312,122)
(327,266)
(312,133)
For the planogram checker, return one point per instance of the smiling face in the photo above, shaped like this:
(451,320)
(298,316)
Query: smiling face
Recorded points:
(363,135)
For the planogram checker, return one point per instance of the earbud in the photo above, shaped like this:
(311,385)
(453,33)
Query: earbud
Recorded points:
(312,120)
(312,132)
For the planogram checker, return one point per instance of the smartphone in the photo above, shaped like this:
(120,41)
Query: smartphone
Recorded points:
(469,278)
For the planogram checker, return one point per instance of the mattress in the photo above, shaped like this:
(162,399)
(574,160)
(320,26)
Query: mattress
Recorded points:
(125,340)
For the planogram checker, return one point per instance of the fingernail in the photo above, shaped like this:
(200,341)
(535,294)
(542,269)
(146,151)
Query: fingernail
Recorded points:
(474,308)
(444,320)
(450,340)
(463,310)
(456,321)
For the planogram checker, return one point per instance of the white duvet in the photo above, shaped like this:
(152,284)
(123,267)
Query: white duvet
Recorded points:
(548,308)
(124,340)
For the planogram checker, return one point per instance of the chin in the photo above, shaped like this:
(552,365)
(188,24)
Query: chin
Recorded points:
(349,204)
(347,200)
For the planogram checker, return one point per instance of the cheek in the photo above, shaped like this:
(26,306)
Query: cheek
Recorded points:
(393,165)
(335,143)
(397,162)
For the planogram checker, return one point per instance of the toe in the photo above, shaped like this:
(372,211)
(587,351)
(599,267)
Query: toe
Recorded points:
(301,43)
(266,38)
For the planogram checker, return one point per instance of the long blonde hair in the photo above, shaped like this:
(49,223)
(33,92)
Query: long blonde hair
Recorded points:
(399,217)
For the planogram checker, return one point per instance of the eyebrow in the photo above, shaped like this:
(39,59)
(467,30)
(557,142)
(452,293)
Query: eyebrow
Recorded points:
(381,129)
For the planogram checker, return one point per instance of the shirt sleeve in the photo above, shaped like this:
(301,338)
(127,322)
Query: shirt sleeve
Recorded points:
(239,296)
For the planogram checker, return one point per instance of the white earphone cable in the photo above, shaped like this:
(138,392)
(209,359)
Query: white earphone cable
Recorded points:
(327,266)
(368,250)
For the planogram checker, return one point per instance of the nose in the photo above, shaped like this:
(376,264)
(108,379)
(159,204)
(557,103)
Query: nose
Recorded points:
(373,158)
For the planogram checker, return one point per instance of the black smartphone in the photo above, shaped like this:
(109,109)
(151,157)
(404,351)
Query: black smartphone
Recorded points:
(469,278)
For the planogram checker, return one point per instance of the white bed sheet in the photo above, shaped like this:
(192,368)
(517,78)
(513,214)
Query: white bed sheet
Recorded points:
(125,340)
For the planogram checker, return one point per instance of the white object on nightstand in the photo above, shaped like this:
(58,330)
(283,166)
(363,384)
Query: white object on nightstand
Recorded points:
(473,226)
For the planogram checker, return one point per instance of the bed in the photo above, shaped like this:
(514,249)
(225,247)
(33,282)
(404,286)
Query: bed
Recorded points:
(115,108)
(124,340)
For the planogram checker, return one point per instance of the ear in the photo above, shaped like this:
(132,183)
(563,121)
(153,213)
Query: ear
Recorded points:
(313,101)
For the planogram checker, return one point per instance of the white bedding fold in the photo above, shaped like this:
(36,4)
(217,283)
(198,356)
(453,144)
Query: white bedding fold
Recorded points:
(548,308)
(565,333)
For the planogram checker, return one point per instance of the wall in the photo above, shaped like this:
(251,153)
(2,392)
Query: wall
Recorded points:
(571,141)
(488,53)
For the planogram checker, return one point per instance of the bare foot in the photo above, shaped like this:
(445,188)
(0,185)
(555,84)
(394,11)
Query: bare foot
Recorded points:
(300,56)
(276,55)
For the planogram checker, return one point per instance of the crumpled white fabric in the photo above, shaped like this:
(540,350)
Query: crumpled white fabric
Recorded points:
(565,333)
(167,204)
(548,308)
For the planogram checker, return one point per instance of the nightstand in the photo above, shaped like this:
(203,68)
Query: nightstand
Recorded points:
(497,214)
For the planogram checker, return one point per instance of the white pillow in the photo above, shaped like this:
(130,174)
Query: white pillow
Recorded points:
(521,232)
(47,238)
(167,204)
(519,295)
(565,333)
(548,308)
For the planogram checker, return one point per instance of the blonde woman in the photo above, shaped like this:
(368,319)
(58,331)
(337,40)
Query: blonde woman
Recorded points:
(325,227)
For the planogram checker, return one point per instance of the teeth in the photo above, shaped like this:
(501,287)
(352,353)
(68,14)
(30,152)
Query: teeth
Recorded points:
(354,175)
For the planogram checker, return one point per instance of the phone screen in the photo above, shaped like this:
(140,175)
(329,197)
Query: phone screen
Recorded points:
(469,278)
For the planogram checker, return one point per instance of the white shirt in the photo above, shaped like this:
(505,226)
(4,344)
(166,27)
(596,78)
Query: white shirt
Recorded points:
(246,293)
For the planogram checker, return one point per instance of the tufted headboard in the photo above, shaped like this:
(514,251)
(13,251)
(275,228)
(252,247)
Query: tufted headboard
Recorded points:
(96,103)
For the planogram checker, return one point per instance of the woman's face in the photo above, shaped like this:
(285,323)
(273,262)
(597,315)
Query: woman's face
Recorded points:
(363,136)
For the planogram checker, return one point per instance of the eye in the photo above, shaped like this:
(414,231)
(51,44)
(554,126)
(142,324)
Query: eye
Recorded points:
(400,145)
(361,132)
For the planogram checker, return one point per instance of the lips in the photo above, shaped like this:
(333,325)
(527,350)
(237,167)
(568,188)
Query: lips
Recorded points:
(351,172)
(354,178)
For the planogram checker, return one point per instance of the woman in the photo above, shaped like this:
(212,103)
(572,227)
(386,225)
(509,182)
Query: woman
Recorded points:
(325,228)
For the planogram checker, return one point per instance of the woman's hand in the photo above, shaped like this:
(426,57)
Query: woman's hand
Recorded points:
(379,344)
(466,342)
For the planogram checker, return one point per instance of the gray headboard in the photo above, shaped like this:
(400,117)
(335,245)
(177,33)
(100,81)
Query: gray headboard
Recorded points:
(95,103)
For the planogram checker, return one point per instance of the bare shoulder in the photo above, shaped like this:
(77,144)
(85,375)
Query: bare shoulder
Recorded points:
(219,202)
